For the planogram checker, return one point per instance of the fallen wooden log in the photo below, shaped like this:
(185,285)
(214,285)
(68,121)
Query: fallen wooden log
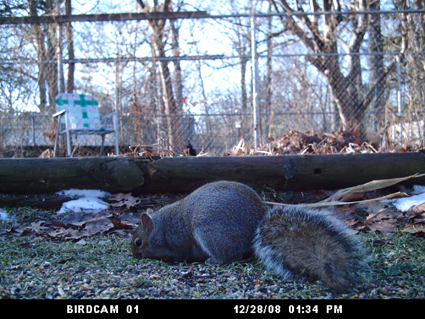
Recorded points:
(297,172)
(50,175)
(45,201)
(184,174)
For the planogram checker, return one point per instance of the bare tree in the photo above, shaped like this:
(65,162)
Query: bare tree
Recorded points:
(240,36)
(321,37)
(16,80)
(172,109)
(413,33)
(376,61)
(46,45)
(268,80)
(70,46)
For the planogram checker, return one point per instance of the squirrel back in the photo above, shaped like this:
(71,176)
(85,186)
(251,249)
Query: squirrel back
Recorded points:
(216,223)
(223,221)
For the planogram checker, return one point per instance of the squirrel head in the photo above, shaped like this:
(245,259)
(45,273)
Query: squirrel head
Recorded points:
(139,243)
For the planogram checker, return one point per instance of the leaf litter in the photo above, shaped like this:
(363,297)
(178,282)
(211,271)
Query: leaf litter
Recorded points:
(90,237)
(121,216)
(382,214)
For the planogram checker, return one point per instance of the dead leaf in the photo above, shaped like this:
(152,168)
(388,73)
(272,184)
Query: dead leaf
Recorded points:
(119,232)
(335,199)
(57,223)
(101,223)
(81,242)
(16,230)
(103,213)
(73,219)
(415,229)
(62,232)
(37,228)
(370,186)
(353,197)
(419,208)
(28,232)
(322,194)
(383,226)
(128,221)
(126,200)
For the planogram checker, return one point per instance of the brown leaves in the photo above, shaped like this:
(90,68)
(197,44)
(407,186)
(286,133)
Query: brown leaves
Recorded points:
(125,222)
(79,225)
(296,142)
(383,217)
(126,200)
(361,206)
(373,216)
(370,212)
(338,142)
(415,220)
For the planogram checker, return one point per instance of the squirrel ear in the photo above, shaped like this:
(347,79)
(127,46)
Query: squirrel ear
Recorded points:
(147,222)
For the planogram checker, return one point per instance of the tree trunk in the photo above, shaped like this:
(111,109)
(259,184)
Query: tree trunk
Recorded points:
(41,56)
(322,40)
(268,81)
(245,127)
(172,111)
(47,71)
(177,69)
(376,61)
(70,45)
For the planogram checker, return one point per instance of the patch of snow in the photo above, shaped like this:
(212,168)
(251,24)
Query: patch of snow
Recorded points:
(4,215)
(83,193)
(88,201)
(418,189)
(404,204)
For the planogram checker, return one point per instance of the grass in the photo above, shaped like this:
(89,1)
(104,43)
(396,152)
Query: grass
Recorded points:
(37,267)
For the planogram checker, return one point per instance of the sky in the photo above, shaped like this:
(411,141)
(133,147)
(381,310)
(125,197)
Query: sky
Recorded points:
(201,36)
(197,37)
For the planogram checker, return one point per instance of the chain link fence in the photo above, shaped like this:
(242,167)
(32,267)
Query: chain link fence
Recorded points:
(199,87)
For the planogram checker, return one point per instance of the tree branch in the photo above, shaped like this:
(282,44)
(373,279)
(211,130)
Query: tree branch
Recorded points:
(292,25)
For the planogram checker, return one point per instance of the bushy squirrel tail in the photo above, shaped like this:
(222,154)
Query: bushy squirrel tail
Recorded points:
(314,244)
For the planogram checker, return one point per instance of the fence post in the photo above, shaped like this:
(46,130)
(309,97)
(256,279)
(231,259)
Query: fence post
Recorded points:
(61,80)
(399,106)
(254,59)
(33,129)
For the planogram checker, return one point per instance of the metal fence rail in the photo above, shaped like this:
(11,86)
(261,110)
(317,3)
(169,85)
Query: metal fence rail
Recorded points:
(30,134)
(204,94)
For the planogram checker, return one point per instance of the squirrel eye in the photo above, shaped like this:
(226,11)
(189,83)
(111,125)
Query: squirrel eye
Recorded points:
(138,242)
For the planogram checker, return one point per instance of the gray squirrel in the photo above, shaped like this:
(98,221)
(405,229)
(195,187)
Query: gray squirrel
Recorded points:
(223,222)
